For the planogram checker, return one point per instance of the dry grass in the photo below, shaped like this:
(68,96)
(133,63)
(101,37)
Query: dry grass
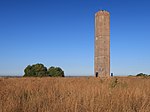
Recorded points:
(74,95)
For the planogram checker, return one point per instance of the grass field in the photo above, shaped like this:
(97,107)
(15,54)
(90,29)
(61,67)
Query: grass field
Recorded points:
(87,94)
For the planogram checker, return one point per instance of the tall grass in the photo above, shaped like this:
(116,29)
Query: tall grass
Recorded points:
(74,95)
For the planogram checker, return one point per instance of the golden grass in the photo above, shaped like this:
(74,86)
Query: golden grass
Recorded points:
(75,94)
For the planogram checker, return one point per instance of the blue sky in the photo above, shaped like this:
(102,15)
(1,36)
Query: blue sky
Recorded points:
(61,33)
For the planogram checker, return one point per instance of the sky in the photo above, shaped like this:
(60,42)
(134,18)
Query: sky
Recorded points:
(61,33)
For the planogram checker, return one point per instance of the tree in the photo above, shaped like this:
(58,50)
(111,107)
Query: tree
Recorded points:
(37,70)
(141,74)
(55,72)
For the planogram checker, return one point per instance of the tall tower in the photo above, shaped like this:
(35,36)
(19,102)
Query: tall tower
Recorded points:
(102,44)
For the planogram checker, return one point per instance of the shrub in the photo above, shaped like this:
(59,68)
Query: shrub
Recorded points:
(114,82)
(141,74)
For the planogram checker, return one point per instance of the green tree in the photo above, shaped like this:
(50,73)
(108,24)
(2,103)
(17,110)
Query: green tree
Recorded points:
(141,74)
(55,72)
(37,70)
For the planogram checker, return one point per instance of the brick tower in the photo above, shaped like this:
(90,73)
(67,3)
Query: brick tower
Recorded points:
(102,44)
